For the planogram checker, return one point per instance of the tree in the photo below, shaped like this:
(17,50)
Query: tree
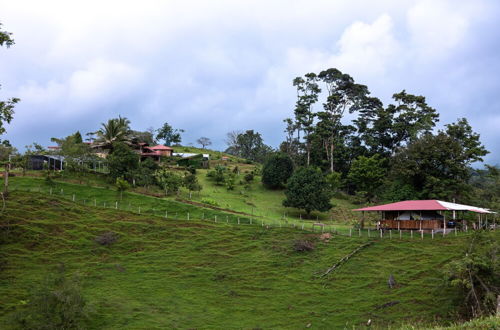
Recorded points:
(191,183)
(307,95)
(122,162)
(277,169)
(249,145)
(6,107)
(170,182)
(204,141)
(116,130)
(438,166)
(169,134)
(384,130)
(343,94)
(144,174)
(307,189)
(367,174)
(121,185)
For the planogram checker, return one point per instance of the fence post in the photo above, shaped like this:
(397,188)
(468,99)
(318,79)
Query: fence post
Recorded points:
(302,226)
(250,220)
(368,230)
(73,197)
(215,217)
(227,219)
(166,214)
(432,233)
(350,232)
(116,205)
(104,204)
(50,191)
(139,210)
(238,220)
(455,231)
(400,234)
(411,233)
(359,232)
(188,216)
(380,233)
(62,191)
(390,233)
(422,234)
(95,202)
(203,216)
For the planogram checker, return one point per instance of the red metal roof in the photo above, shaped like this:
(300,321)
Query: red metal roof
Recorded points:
(160,147)
(425,205)
(421,205)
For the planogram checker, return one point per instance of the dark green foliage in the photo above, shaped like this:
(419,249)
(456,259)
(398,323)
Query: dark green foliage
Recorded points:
(122,162)
(57,304)
(144,174)
(248,145)
(191,183)
(116,130)
(437,166)
(169,135)
(121,186)
(248,177)
(169,181)
(477,275)
(277,169)
(367,174)
(307,189)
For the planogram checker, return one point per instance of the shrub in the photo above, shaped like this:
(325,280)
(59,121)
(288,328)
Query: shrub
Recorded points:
(248,177)
(107,238)
(209,201)
(277,169)
(303,245)
(57,304)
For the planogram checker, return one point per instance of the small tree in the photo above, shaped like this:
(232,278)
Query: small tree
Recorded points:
(307,189)
(204,141)
(191,183)
(168,181)
(121,185)
(122,162)
(277,169)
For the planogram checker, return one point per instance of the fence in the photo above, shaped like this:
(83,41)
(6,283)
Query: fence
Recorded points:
(223,218)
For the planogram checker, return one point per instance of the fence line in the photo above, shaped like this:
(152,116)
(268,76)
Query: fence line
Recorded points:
(305,226)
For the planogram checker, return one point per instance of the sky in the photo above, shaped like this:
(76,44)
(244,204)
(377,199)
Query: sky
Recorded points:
(210,67)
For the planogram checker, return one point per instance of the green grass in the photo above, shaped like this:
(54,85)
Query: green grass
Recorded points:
(199,274)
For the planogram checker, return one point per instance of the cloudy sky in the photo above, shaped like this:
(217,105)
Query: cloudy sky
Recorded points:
(211,67)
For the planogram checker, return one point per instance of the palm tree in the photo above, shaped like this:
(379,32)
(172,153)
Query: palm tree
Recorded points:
(115,130)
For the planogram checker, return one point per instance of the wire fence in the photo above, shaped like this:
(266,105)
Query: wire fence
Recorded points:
(209,215)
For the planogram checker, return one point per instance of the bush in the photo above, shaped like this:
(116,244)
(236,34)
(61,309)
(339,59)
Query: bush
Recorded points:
(57,304)
(209,201)
(106,239)
(248,177)
(277,169)
(303,245)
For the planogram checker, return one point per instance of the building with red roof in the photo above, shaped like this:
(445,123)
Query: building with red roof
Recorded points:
(426,215)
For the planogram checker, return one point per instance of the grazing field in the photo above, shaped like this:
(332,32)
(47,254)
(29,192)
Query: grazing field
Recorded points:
(164,273)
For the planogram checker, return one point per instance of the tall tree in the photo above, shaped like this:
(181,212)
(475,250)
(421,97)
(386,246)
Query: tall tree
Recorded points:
(307,95)
(385,129)
(367,174)
(343,95)
(6,107)
(250,145)
(169,134)
(438,166)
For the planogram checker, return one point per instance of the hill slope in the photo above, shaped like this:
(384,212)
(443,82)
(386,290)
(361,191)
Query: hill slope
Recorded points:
(174,273)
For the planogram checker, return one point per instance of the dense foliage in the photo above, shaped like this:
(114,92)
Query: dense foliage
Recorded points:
(277,169)
(307,189)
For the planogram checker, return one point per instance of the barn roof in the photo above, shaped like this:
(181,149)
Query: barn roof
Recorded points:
(425,205)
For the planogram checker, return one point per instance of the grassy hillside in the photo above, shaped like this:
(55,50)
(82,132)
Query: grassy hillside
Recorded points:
(199,274)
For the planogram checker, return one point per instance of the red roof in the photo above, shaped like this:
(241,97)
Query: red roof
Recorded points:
(160,147)
(423,205)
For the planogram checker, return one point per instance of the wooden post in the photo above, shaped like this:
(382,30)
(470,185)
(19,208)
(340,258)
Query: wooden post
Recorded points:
(73,197)
(350,232)
(422,234)
(116,205)
(188,216)
(215,218)
(238,220)
(95,202)
(411,233)
(359,232)
(380,233)
(227,219)
(455,231)
(166,214)
(50,191)
(400,234)
(302,226)
(250,220)
(432,233)
(139,210)
(444,224)
(368,232)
